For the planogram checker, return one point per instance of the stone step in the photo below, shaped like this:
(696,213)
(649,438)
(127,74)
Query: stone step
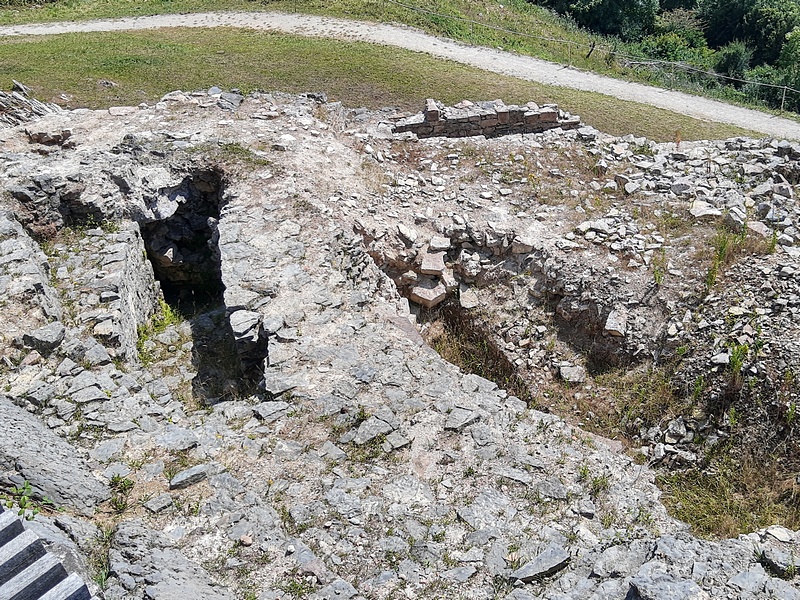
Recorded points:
(10,526)
(16,555)
(72,588)
(39,577)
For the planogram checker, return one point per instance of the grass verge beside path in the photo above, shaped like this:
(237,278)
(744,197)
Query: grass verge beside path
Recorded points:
(145,65)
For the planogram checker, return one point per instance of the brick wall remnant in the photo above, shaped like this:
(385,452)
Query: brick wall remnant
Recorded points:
(490,119)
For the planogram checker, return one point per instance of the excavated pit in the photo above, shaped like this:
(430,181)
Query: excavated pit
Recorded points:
(184,252)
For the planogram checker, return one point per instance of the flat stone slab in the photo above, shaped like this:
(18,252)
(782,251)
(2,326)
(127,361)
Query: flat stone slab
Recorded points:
(572,374)
(439,244)
(271,411)
(176,438)
(617,322)
(459,574)
(701,209)
(428,293)
(189,477)
(432,263)
(370,429)
(552,560)
(45,339)
(666,587)
(552,488)
(459,418)
(159,503)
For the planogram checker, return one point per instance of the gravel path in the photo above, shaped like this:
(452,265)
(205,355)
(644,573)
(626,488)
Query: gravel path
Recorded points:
(497,61)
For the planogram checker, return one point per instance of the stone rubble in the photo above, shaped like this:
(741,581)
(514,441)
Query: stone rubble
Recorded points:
(17,108)
(295,436)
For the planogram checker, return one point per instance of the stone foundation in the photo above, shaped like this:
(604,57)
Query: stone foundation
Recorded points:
(489,119)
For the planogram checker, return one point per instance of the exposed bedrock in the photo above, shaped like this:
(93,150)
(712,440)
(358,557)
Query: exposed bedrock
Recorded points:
(29,451)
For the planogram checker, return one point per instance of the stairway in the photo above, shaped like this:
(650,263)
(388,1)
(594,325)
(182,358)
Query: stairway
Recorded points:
(28,571)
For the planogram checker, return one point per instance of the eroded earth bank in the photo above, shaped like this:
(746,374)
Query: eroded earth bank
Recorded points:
(218,319)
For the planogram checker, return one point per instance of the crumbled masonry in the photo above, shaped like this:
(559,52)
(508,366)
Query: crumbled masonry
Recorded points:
(489,119)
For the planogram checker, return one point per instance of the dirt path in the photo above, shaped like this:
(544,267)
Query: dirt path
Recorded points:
(497,61)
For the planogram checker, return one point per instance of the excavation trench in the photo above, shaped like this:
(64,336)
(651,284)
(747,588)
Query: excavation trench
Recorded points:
(184,252)
(462,340)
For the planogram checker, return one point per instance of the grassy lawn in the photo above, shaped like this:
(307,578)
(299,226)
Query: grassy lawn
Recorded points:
(145,65)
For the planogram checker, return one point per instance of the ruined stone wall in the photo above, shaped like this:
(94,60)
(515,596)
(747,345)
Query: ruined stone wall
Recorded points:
(489,119)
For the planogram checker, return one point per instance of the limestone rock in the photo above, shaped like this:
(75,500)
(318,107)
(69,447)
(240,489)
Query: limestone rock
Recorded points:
(428,293)
(553,559)
(47,338)
(29,451)
(188,477)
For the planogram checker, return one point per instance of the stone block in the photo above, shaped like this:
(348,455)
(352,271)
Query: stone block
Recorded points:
(189,477)
(502,115)
(573,122)
(45,339)
(432,113)
(428,293)
(432,263)
(531,117)
(617,322)
(548,114)
(516,115)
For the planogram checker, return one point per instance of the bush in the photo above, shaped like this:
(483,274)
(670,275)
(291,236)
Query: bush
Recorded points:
(773,96)
(684,23)
(724,19)
(628,19)
(768,24)
(733,60)
(667,46)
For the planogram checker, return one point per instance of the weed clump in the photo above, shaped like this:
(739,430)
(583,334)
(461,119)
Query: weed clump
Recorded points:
(164,317)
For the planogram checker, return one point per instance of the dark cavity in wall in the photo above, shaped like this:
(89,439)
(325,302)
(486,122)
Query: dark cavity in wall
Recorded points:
(461,339)
(183,248)
(184,252)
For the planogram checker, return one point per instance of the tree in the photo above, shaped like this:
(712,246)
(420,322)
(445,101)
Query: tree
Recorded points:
(725,20)
(668,5)
(790,52)
(733,60)
(629,19)
(684,23)
(767,25)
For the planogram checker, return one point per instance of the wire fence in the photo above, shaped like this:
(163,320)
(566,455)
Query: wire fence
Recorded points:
(641,60)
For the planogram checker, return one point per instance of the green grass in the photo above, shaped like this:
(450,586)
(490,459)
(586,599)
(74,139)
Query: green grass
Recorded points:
(164,317)
(539,26)
(733,500)
(145,65)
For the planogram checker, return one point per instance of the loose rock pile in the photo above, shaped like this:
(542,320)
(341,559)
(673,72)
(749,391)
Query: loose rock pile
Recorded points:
(363,466)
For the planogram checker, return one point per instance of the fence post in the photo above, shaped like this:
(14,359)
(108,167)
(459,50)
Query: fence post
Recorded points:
(783,100)
(569,53)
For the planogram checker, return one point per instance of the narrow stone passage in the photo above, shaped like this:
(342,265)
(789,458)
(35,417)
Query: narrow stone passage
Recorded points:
(184,251)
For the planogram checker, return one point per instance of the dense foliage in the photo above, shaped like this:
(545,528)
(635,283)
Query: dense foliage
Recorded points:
(744,40)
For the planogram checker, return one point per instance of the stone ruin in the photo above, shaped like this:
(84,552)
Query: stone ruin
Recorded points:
(361,464)
(489,119)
